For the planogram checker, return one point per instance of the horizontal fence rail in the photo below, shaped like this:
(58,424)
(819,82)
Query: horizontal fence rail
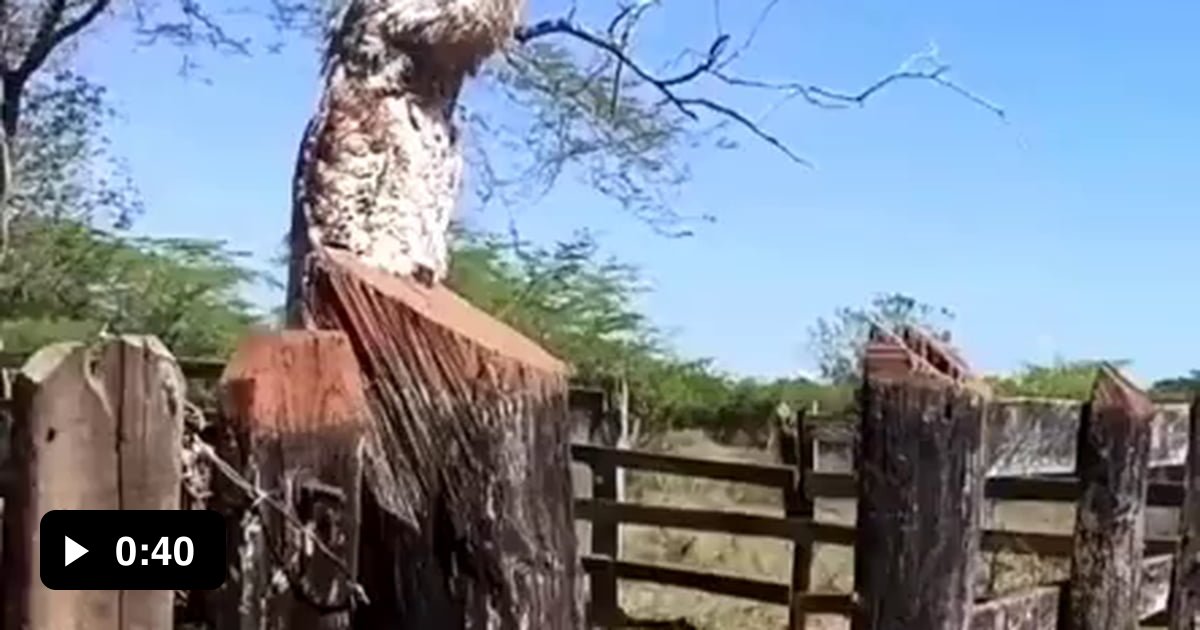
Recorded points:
(1029,449)
(1026,437)
(828,485)
(769,475)
(1049,489)
(811,531)
(1033,608)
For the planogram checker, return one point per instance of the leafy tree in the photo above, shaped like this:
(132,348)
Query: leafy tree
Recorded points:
(590,107)
(579,97)
(838,341)
(63,166)
(60,162)
(589,104)
(585,105)
(1187,384)
(565,297)
(68,280)
(63,272)
(582,307)
(569,97)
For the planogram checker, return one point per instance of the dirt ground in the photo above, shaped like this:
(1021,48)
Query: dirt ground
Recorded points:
(764,558)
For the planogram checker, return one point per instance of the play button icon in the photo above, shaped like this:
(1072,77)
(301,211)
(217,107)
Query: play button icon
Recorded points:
(132,550)
(72,551)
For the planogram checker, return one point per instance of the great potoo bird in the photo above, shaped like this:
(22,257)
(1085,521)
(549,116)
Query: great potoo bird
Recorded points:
(380,167)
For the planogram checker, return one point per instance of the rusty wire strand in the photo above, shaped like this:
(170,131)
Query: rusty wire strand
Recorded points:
(258,498)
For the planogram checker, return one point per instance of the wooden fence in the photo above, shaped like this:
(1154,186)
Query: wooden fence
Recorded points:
(1028,453)
(1025,450)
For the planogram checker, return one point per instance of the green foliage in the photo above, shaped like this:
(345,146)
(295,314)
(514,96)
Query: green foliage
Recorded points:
(63,168)
(63,277)
(564,297)
(1188,384)
(838,341)
(567,113)
(67,280)
(1060,379)
(583,308)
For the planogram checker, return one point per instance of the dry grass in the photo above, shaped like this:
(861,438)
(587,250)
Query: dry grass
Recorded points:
(769,559)
(742,556)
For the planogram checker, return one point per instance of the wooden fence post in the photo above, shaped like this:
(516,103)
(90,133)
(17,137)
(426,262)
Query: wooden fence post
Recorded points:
(294,420)
(97,428)
(606,541)
(1112,460)
(1185,589)
(919,493)
(619,406)
(796,450)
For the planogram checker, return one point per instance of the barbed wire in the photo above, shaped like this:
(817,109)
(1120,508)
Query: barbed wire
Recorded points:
(196,484)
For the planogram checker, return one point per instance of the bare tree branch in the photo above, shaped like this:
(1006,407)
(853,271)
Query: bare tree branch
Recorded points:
(565,27)
(715,61)
(664,85)
(50,34)
(196,26)
(748,124)
(830,99)
(753,34)
(43,36)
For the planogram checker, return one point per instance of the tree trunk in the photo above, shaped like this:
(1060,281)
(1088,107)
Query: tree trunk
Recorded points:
(467,519)
(466,513)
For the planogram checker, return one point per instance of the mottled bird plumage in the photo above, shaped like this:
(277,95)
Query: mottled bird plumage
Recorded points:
(380,167)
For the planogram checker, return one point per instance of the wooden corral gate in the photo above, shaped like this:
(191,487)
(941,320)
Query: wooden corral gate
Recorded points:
(1029,452)
(940,457)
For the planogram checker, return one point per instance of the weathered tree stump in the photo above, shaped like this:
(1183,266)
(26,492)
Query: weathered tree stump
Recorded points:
(1114,449)
(468,518)
(920,492)
(96,428)
(293,419)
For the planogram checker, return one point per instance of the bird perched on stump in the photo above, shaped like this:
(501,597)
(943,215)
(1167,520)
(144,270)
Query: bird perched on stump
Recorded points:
(380,166)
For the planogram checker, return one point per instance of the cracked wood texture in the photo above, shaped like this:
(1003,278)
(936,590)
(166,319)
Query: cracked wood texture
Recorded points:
(294,415)
(920,488)
(1114,450)
(920,491)
(795,447)
(1185,588)
(467,517)
(1033,609)
(96,428)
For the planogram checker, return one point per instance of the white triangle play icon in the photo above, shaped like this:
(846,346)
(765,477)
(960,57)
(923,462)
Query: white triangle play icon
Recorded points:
(73,551)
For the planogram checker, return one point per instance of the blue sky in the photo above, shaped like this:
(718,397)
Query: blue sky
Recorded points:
(1069,231)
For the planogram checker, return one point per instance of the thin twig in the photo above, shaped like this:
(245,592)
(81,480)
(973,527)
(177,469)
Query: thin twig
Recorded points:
(717,59)
(526,34)
(749,125)
(753,34)
(196,26)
